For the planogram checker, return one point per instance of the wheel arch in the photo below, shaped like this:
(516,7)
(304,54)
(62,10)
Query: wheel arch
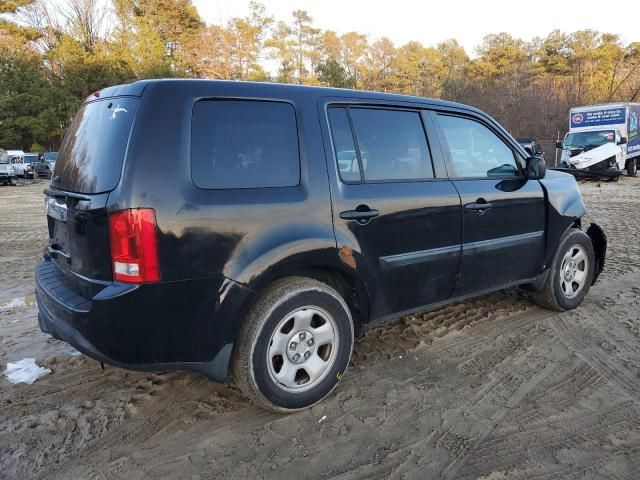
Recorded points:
(599,242)
(346,281)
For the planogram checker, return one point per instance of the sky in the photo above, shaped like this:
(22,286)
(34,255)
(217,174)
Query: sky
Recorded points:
(430,22)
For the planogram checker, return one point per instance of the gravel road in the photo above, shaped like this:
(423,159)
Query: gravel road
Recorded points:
(491,388)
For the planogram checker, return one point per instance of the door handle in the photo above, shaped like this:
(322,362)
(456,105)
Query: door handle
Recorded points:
(362,214)
(480,206)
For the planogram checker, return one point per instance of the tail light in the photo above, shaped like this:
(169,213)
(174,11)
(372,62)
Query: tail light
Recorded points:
(134,251)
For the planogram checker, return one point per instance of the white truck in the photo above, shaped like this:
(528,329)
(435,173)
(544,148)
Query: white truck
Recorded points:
(16,158)
(602,140)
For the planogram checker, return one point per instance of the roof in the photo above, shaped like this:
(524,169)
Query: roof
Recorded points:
(281,89)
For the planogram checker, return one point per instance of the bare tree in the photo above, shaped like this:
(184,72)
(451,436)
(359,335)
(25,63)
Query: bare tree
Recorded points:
(85,20)
(41,17)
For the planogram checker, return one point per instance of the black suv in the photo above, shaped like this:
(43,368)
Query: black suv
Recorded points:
(255,228)
(531,146)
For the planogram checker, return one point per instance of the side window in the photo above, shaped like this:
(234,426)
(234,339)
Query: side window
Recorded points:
(475,150)
(344,145)
(392,144)
(244,144)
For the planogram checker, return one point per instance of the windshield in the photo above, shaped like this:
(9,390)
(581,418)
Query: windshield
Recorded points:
(589,139)
(30,158)
(51,156)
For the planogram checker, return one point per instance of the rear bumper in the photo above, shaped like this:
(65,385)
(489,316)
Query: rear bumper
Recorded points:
(188,325)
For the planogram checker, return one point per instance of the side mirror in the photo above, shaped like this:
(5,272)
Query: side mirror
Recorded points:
(558,144)
(528,150)
(536,168)
(622,140)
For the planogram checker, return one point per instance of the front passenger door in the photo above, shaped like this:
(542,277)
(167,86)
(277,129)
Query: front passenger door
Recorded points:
(503,212)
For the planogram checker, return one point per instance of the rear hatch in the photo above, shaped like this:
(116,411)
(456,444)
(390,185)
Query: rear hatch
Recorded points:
(88,167)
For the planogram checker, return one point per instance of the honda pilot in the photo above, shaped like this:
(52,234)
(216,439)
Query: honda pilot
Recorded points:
(253,230)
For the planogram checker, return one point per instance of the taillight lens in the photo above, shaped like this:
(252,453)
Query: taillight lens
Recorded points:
(134,251)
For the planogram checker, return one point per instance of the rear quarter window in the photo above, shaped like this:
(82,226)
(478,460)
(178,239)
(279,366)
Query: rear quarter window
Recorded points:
(244,144)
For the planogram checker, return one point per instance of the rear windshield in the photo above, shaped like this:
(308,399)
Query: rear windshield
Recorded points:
(92,152)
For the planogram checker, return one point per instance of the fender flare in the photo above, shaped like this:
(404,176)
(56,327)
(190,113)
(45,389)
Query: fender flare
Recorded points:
(599,242)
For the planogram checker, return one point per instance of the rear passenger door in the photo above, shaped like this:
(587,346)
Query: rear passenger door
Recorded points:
(401,221)
(503,212)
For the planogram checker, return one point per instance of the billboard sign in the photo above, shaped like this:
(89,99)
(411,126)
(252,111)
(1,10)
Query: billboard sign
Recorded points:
(594,118)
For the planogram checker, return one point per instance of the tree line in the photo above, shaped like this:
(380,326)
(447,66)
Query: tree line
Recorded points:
(54,54)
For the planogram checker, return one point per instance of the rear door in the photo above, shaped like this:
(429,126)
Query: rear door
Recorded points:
(87,169)
(503,212)
(402,221)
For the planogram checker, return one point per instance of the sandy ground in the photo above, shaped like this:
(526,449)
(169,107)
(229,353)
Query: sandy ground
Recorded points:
(492,388)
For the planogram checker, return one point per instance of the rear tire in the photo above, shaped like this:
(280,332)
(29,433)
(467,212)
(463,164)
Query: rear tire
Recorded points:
(570,273)
(294,345)
(632,167)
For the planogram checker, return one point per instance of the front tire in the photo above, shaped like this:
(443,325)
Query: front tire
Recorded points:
(571,273)
(294,345)
(632,167)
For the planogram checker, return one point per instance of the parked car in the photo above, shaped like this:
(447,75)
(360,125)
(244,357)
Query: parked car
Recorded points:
(7,173)
(532,146)
(224,227)
(50,158)
(41,167)
(16,159)
(30,161)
